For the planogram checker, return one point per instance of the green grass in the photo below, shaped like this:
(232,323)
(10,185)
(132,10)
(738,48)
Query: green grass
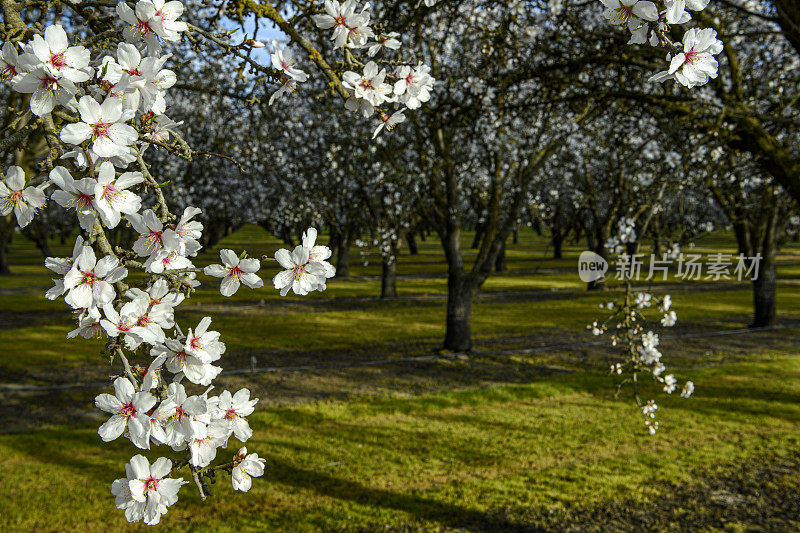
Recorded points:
(439,460)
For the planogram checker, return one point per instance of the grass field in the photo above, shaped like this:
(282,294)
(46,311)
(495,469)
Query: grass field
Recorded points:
(487,441)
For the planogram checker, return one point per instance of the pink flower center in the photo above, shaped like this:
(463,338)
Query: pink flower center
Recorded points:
(235,272)
(15,198)
(180,413)
(143,26)
(9,71)
(154,237)
(58,61)
(128,410)
(623,14)
(123,325)
(89,278)
(299,270)
(151,484)
(83,200)
(49,84)
(366,84)
(100,129)
(195,343)
(230,414)
(143,321)
(410,79)
(340,20)
(134,72)
(690,56)
(111,194)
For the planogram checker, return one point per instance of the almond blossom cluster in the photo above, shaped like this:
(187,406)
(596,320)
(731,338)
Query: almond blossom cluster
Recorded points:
(110,109)
(628,325)
(373,88)
(691,62)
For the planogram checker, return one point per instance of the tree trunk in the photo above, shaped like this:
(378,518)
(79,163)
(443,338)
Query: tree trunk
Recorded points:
(764,291)
(656,232)
(599,240)
(500,263)
(411,240)
(389,278)
(765,284)
(458,335)
(478,234)
(333,240)
(742,233)
(212,234)
(6,234)
(37,235)
(558,242)
(343,255)
(43,245)
(286,237)
(458,332)
(515,237)
(536,225)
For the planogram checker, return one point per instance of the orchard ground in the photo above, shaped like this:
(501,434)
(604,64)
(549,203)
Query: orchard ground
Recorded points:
(494,440)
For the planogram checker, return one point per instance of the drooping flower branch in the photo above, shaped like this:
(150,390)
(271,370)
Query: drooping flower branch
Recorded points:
(627,323)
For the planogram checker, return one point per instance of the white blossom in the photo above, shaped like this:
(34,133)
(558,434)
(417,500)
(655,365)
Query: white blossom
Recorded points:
(111,197)
(235,272)
(129,412)
(696,64)
(104,124)
(75,194)
(245,467)
(232,409)
(146,492)
(14,196)
(669,319)
(88,282)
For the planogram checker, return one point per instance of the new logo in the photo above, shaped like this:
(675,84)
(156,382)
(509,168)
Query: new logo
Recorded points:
(591,267)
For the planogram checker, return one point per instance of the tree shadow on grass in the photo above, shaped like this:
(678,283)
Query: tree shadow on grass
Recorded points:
(446,514)
(730,404)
